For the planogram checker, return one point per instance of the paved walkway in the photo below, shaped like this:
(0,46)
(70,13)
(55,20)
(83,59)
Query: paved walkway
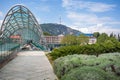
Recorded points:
(28,65)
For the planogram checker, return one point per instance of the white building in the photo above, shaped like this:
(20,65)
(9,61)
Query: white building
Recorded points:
(92,40)
(57,39)
(53,39)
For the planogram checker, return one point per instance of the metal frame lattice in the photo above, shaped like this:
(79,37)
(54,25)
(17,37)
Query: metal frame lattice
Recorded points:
(20,20)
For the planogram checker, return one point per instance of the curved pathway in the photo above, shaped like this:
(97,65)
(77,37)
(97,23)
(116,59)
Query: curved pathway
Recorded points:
(28,65)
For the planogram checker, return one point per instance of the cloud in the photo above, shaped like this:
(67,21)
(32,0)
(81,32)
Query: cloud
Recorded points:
(85,18)
(43,8)
(99,7)
(88,23)
(87,5)
(97,28)
(1,14)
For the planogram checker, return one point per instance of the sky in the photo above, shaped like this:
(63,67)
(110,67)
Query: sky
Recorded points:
(87,16)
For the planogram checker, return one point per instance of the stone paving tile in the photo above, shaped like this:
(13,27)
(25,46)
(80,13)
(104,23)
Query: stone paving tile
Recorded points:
(28,65)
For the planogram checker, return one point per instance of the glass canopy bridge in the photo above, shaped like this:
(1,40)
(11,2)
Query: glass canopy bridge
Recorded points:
(19,28)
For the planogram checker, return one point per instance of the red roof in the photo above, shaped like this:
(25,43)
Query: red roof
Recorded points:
(15,37)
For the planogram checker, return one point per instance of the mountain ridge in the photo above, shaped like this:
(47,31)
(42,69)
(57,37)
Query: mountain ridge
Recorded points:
(57,29)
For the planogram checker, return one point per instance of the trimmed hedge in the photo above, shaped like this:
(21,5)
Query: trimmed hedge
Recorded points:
(94,49)
(109,63)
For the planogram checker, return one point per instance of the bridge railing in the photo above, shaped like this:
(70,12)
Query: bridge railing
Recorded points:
(7,50)
(38,45)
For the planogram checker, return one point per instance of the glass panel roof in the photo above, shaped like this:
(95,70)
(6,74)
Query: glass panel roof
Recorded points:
(20,19)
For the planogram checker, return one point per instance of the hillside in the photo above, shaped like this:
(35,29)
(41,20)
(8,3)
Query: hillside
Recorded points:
(57,29)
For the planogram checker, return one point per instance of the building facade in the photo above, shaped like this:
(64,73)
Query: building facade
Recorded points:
(53,39)
(92,40)
(16,38)
(56,40)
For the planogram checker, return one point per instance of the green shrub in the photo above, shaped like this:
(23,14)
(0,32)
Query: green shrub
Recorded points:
(63,65)
(118,47)
(94,49)
(87,73)
(107,62)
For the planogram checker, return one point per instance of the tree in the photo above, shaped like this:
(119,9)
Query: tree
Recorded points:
(69,40)
(96,34)
(102,38)
(46,34)
(118,37)
(75,40)
(112,35)
(82,39)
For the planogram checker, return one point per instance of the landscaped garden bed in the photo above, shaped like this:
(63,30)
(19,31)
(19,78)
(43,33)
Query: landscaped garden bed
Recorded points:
(88,67)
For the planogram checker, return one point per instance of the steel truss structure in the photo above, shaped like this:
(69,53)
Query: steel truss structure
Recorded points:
(20,21)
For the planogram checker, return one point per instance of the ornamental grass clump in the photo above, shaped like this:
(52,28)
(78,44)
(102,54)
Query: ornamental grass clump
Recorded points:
(63,65)
(87,73)
(109,63)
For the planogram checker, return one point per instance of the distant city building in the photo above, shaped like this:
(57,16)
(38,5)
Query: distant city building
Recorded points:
(50,40)
(57,39)
(88,35)
(53,39)
(92,40)
(16,38)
